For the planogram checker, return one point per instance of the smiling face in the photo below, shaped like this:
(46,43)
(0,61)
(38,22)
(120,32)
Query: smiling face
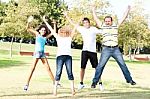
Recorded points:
(108,20)
(42,31)
(86,23)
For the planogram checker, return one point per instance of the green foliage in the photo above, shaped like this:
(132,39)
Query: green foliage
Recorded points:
(134,32)
(52,9)
(81,9)
(14,21)
(16,14)
(2,11)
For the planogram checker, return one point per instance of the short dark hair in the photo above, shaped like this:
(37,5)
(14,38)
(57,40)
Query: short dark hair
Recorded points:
(43,26)
(108,17)
(86,19)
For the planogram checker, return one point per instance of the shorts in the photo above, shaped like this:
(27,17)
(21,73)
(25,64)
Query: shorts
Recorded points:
(85,55)
(39,55)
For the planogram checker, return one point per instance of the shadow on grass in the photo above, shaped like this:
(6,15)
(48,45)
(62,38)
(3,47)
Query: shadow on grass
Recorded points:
(6,52)
(89,93)
(9,63)
(136,62)
(53,57)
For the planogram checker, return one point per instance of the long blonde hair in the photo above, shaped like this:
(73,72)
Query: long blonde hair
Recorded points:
(64,31)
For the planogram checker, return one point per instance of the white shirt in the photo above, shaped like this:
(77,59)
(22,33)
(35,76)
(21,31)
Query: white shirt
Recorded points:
(89,37)
(64,45)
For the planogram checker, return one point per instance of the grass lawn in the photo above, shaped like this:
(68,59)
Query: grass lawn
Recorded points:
(14,72)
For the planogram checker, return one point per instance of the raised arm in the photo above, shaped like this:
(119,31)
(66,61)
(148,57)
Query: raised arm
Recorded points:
(29,28)
(125,15)
(69,19)
(98,22)
(53,32)
(73,31)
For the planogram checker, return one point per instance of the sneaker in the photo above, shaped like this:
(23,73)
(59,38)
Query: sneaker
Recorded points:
(81,86)
(59,85)
(26,87)
(132,82)
(93,85)
(101,87)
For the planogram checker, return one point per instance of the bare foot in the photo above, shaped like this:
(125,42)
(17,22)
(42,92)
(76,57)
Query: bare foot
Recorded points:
(73,92)
(55,91)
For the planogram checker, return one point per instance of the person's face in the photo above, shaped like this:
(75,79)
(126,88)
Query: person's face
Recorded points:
(108,21)
(86,24)
(42,31)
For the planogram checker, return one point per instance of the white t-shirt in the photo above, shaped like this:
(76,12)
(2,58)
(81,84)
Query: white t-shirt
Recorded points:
(64,45)
(89,37)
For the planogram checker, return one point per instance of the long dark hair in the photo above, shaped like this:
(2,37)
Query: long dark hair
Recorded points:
(43,26)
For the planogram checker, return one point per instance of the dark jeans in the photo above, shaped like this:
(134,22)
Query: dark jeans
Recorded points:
(61,60)
(107,52)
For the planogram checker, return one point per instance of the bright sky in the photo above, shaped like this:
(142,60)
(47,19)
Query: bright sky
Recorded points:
(119,6)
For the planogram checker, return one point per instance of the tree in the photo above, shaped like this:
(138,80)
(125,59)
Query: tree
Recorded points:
(134,31)
(16,13)
(52,9)
(14,21)
(82,8)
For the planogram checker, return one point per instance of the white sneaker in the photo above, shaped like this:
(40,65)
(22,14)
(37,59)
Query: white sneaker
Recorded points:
(59,85)
(26,87)
(81,86)
(101,88)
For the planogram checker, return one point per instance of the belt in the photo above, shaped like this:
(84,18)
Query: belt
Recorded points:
(110,46)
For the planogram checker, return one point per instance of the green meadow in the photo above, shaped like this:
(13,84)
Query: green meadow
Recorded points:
(14,72)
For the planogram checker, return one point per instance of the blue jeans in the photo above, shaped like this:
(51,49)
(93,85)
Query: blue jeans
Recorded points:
(39,54)
(60,61)
(107,52)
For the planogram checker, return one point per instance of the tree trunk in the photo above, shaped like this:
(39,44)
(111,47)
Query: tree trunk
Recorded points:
(130,53)
(11,44)
(20,44)
(125,49)
(134,52)
(138,50)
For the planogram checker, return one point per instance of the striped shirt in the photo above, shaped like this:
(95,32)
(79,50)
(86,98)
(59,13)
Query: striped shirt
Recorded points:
(110,35)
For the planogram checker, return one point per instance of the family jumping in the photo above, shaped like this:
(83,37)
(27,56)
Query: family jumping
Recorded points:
(109,31)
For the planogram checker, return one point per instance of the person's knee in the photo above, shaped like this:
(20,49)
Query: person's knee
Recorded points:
(82,69)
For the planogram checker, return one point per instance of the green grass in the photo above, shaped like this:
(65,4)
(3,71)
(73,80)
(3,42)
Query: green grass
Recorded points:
(9,63)
(14,72)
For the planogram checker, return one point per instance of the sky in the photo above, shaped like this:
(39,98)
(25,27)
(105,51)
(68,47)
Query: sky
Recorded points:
(119,6)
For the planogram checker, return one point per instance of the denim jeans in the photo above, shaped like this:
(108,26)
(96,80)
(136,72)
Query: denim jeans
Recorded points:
(107,52)
(60,61)
(39,54)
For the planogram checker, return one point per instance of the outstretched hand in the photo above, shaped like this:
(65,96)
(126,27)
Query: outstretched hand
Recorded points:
(44,18)
(129,7)
(65,13)
(93,7)
(30,19)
